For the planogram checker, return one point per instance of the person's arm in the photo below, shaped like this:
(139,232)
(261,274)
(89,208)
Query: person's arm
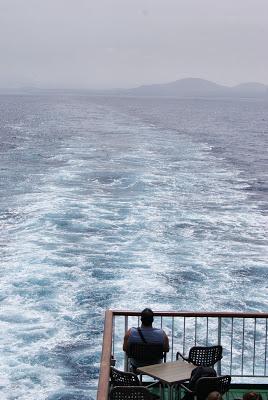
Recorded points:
(166,343)
(126,340)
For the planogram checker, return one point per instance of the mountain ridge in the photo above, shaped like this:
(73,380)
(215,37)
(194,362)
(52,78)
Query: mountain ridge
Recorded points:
(187,87)
(197,87)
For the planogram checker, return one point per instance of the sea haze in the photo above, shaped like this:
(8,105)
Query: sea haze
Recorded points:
(122,203)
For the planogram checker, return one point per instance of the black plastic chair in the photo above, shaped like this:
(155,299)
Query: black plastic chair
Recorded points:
(205,356)
(206,385)
(130,393)
(146,353)
(121,378)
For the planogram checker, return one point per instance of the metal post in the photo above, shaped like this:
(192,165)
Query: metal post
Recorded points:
(219,343)
(184,330)
(265,351)
(243,347)
(125,357)
(195,330)
(207,333)
(172,339)
(254,345)
(231,351)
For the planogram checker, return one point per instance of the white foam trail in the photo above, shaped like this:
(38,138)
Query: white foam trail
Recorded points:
(122,215)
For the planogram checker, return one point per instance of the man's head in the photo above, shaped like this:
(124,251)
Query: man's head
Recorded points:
(252,396)
(147,317)
(214,396)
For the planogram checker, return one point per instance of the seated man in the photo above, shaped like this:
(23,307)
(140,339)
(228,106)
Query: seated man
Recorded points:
(146,334)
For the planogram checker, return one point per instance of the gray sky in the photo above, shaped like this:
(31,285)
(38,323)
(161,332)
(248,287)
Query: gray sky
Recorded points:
(126,43)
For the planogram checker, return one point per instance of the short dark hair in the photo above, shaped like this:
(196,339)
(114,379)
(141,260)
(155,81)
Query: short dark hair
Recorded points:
(214,396)
(147,316)
(252,396)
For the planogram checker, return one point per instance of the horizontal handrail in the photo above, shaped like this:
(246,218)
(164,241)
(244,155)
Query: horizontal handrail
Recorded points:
(222,314)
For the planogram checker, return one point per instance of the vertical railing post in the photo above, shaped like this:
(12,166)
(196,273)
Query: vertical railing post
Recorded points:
(172,339)
(219,343)
(125,356)
(207,333)
(195,331)
(231,350)
(254,345)
(113,335)
(265,348)
(243,348)
(184,333)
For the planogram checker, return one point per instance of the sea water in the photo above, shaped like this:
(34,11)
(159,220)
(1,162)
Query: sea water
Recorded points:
(121,203)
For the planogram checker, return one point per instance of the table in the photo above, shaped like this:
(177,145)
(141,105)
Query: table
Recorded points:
(169,373)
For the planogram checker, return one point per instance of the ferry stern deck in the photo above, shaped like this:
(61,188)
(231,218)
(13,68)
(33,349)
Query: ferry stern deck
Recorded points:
(243,336)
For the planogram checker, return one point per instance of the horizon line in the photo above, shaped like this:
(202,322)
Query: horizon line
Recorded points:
(35,87)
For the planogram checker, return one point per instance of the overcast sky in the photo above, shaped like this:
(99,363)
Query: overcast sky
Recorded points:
(126,43)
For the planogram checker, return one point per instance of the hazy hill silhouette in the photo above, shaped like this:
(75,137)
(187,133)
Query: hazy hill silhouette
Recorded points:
(196,87)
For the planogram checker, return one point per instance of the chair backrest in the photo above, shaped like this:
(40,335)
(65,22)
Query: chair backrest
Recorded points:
(205,356)
(145,353)
(206,385)
(130,393)
(121,378)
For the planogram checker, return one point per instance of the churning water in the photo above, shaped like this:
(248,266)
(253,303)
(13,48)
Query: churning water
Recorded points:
(122,203)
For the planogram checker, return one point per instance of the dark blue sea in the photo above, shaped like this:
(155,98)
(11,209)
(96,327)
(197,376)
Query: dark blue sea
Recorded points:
(121,203)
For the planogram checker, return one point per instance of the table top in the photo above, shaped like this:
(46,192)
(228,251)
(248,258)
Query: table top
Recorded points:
(169,372)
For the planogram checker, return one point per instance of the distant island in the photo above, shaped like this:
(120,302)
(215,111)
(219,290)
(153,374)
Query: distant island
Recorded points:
(188,87)
(196,87)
